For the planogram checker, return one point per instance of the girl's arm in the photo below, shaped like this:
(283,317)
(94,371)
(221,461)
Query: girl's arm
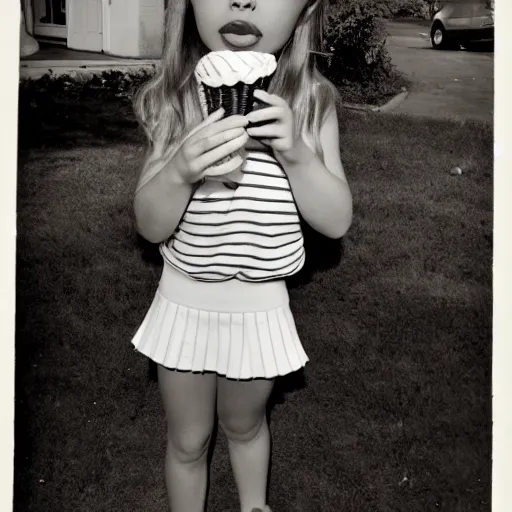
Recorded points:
(160,203)
(320,190)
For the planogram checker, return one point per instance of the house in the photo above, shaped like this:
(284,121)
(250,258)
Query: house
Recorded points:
(121,28)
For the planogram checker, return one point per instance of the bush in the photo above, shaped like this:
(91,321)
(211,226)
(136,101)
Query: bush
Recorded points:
(360,65)
(79,103)
(406,8)
(356,37)
(84,86)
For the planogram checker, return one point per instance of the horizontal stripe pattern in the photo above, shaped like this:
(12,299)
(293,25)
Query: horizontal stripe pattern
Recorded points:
(251,233)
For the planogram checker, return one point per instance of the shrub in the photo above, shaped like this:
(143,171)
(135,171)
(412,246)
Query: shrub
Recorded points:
(356,37)
(112,83)
(360,65)
(406,8)
(76,103)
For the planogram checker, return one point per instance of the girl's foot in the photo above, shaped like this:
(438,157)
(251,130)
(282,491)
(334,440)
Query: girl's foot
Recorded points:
(265,509)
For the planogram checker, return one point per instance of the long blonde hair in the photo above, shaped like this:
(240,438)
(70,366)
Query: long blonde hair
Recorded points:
(168,105)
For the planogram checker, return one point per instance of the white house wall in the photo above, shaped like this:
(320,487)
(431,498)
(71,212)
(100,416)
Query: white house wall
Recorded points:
(135,28)
(151,25)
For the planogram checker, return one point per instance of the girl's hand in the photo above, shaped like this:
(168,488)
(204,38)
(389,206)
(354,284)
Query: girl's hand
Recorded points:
(214,139)
(281,134)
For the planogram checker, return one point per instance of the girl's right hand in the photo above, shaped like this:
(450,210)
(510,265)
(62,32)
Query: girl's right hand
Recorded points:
(211,141)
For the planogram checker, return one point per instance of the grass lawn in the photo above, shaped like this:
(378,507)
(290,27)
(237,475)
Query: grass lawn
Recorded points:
(392,414)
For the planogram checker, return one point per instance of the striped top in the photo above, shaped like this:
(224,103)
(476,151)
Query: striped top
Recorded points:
(251,233)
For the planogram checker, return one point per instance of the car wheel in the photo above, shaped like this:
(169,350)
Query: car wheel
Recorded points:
(439,39)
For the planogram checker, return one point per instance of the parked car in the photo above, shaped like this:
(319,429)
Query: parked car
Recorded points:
(462,22)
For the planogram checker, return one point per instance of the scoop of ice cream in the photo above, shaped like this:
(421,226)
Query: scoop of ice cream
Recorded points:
(228,68)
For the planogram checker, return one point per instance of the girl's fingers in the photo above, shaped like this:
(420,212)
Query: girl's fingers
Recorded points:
(215,123)
(228,123)
(271,99)
(208,159)
(265,114)
(214,116)
(213,141)
(268,131)
(211,119)
(225,168)
(198,140)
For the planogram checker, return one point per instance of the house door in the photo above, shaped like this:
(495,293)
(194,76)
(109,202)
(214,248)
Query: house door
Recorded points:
(85,25)
(50,18)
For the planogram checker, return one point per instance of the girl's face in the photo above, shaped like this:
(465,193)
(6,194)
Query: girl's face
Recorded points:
(241,25)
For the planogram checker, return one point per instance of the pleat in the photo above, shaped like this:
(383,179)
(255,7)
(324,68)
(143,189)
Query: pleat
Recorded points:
(147,328)
(236,345)
(252,342)
(160,345)
(212,348)
(199,361)
(245,360)
(290,322)
(157,327)
(265,342)
(189,341)
(276,338)
(294,355)
(224,343)
(176,336)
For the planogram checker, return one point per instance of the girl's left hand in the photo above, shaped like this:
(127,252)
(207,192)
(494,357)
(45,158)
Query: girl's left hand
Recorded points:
(281,134)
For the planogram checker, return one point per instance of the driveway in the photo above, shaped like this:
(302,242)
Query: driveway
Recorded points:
(445,83)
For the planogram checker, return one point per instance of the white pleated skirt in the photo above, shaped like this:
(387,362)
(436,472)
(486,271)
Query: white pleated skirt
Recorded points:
(236,329)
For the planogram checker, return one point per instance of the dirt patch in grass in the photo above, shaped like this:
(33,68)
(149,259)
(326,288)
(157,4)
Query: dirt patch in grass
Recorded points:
(393,412)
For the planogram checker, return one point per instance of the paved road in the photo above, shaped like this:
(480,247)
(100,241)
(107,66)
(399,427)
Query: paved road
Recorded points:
(446,83)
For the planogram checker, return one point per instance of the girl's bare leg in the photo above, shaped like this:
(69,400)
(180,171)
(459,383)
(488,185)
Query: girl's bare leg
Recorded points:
(241,406)
(189,402)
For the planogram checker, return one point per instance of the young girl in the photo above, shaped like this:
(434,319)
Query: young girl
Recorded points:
(220,327)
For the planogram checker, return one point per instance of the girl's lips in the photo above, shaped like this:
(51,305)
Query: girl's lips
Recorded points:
(238,41)
(240,28)
(240,34)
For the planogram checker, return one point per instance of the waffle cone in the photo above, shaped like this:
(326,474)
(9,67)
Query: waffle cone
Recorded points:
(235,100)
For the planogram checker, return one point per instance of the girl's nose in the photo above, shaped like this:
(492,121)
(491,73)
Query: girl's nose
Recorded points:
(242,5)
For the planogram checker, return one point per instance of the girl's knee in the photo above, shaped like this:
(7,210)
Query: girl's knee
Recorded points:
(241,430)
(189,446)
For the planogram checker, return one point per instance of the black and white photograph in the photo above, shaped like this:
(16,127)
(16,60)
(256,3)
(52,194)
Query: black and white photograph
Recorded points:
(254,256)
